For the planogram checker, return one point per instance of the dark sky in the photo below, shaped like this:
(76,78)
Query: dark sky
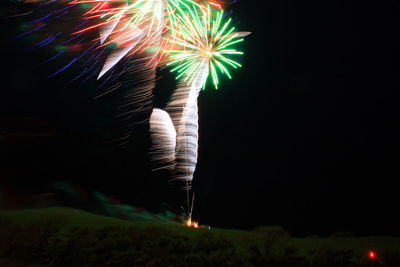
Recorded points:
(306,135)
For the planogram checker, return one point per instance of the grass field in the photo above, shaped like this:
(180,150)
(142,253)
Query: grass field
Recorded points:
(240,239)
(74,217)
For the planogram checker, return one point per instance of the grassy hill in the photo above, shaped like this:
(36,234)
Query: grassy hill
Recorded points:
(36,235)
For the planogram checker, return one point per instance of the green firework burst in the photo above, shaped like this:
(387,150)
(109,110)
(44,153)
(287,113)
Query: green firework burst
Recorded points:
(203,40)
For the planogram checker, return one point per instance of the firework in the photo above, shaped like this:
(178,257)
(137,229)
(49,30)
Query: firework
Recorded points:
(133,26)
(202,45)
(193,38)
(163,135)
(204,42)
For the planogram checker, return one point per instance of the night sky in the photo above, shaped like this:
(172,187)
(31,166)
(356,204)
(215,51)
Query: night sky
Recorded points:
(305,135)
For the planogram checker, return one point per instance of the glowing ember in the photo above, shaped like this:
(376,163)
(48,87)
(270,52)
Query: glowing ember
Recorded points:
(372,254)
(192,224)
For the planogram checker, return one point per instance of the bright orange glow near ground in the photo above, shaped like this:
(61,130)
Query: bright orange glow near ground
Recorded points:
(190,223)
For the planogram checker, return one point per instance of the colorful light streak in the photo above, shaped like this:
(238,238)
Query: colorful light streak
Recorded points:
(191,36)
(203,41)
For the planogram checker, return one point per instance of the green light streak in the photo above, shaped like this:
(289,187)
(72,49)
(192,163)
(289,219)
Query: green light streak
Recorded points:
(203,39)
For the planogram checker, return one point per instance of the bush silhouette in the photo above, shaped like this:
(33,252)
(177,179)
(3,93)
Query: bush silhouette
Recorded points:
(270,241)
(390,258)
(325,257)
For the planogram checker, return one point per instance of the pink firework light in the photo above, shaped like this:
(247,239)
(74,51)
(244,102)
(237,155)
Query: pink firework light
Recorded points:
(122,24)
(144,29)
(132,29)
(124,27)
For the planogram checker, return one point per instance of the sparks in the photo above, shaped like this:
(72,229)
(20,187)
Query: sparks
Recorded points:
(190,36)
(192,224)
(135,27)
(204,41)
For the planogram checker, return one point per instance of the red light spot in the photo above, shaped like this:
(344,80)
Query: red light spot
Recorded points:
(371,255)
(75,47)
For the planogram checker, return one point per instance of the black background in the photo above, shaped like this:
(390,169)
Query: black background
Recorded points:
(305,135)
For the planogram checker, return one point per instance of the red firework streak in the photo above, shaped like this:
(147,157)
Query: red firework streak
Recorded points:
(216,4)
